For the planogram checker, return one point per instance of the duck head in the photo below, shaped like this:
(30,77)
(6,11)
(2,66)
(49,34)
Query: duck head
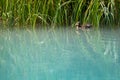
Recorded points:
(78,25)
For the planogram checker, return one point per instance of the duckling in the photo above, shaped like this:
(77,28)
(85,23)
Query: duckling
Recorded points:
(85,26)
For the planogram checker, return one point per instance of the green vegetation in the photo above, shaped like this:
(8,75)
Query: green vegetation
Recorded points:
(59,12)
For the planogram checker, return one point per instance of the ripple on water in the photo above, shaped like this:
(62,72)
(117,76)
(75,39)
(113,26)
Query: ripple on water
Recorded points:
(60,54)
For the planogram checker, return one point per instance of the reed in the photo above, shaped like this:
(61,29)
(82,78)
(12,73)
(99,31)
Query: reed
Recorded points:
(58,12)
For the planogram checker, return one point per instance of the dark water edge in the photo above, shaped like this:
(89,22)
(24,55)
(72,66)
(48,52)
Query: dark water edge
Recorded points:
(60,54)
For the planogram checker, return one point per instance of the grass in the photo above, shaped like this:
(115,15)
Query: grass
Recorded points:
(58,12)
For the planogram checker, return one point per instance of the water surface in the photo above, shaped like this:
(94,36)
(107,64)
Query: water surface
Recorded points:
(60,54)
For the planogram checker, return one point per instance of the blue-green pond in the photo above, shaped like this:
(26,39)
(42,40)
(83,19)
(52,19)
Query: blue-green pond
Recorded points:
(60,54)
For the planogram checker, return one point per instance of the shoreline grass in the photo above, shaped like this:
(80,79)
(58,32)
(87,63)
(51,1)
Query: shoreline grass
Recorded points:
(59,12)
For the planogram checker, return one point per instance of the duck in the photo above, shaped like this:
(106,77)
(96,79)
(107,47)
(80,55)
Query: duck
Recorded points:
(82,27)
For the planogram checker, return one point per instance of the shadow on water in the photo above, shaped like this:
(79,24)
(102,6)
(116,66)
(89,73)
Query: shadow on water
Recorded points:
(60,54)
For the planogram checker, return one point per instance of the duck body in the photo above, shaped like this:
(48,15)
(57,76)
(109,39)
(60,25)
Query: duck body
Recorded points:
(85,26)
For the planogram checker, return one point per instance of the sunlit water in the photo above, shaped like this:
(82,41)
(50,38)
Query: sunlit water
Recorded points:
(61,54)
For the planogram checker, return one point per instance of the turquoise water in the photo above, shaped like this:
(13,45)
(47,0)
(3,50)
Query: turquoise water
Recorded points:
(60,54)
